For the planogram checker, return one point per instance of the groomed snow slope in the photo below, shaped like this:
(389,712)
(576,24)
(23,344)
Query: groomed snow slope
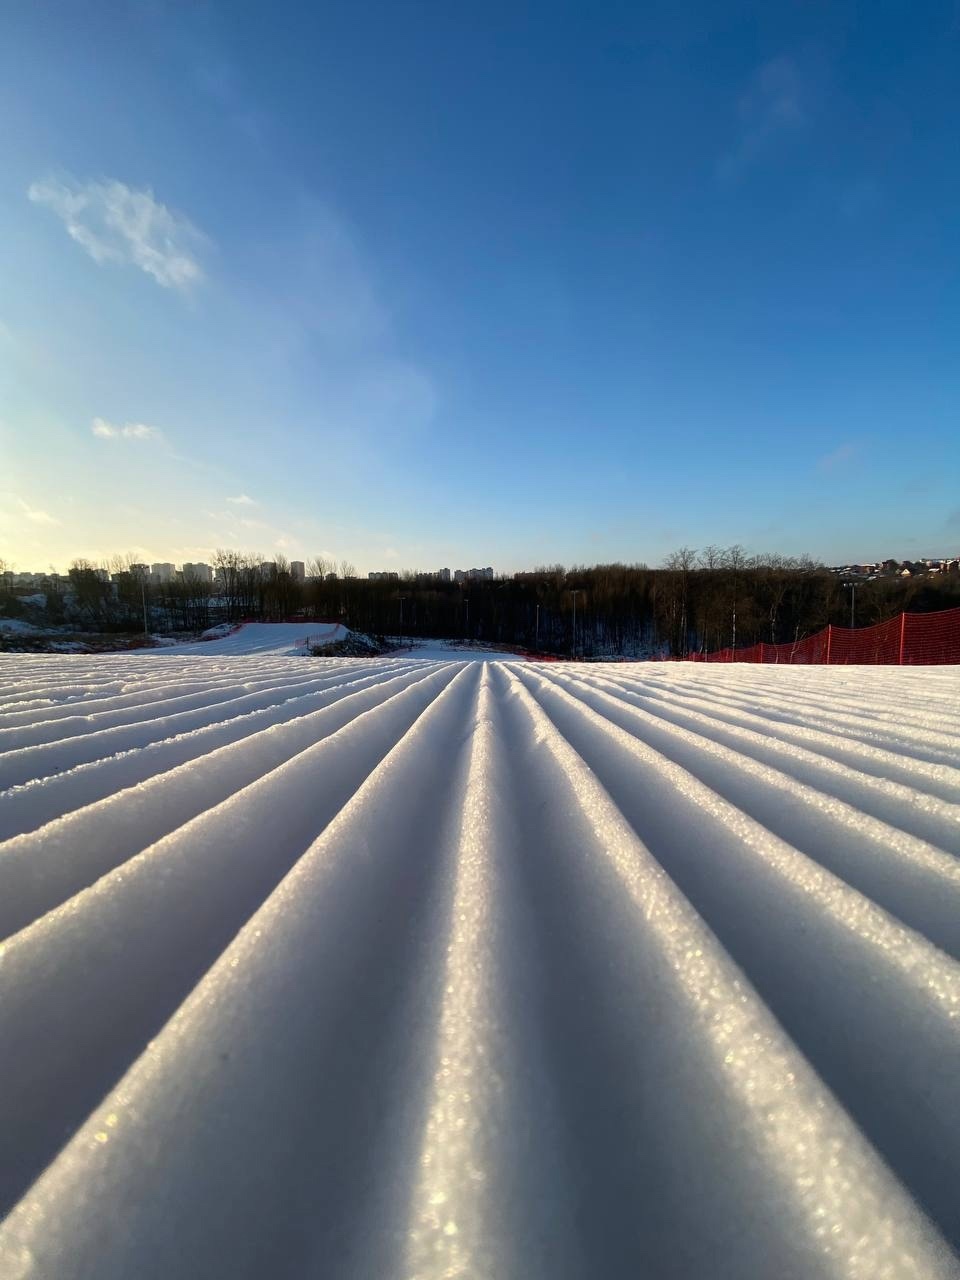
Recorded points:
(268,638)
(405,968)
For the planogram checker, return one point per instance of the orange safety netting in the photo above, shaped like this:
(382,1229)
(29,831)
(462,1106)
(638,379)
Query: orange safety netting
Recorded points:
(910,639)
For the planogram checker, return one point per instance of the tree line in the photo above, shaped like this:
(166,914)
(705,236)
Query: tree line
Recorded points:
(697,600)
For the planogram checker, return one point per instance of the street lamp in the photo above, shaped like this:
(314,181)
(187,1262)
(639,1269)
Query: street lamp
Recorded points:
(401,599)
(536,643)
(575,592)
(853,598)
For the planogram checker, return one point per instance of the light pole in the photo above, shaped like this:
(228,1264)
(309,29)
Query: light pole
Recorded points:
(536,643)
(401,599)
(143,600)
(575,592)
(853,599)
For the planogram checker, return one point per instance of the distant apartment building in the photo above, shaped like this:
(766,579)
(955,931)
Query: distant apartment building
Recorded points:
(384,576)
(473,575)
(163,572)
(298,571)
(198,572)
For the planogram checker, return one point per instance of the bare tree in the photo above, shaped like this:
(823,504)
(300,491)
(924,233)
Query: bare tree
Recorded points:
(681,563)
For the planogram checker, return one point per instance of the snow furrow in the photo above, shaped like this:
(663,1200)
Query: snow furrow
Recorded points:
(106,713)
(901,806)
(832,1207)
(40,870)
(851,722)
(942,780)
(19,766)
(912,878)
(29,805)
(862,996)
(115,961)
(420,968)
(320,993)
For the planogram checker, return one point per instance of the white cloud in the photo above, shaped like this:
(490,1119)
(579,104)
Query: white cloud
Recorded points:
(242,500)
(35,515)
(771,108)
(129,431)
(139,431)
(115,223)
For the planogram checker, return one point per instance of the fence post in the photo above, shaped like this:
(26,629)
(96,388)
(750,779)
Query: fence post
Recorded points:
(903,635)
(829,638)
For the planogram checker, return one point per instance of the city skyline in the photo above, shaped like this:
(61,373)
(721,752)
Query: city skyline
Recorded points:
(300,571)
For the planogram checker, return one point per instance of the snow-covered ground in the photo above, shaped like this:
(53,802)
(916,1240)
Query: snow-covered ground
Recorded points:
(267,637)
(461,650)
(297,638)
(419,967)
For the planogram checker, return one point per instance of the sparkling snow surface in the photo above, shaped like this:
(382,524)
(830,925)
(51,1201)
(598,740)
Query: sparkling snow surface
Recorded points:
(439,968)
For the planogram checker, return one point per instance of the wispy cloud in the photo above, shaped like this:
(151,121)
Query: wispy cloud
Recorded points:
(327,317)
(771,109)
(35,515)
(129,431)
(242,500)
(116,223)
(837,457)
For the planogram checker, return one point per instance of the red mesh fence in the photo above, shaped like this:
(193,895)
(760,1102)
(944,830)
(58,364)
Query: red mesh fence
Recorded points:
(910,639)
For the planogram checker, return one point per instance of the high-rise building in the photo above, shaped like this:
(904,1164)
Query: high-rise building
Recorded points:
(472,575)
(298,571)
(198,572)
(163,572)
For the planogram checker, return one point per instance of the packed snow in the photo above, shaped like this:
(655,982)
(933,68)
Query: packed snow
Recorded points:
(299,638)
(435,965)
(265,637)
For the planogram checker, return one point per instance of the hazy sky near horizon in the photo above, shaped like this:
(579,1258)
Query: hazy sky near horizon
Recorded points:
(420,284)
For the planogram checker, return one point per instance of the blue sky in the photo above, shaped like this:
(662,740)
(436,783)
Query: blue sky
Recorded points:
(416,284)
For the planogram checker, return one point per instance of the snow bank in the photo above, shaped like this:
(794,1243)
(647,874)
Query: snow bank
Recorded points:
(423,966)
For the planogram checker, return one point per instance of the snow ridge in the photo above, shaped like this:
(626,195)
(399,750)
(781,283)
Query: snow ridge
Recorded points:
(423,968)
